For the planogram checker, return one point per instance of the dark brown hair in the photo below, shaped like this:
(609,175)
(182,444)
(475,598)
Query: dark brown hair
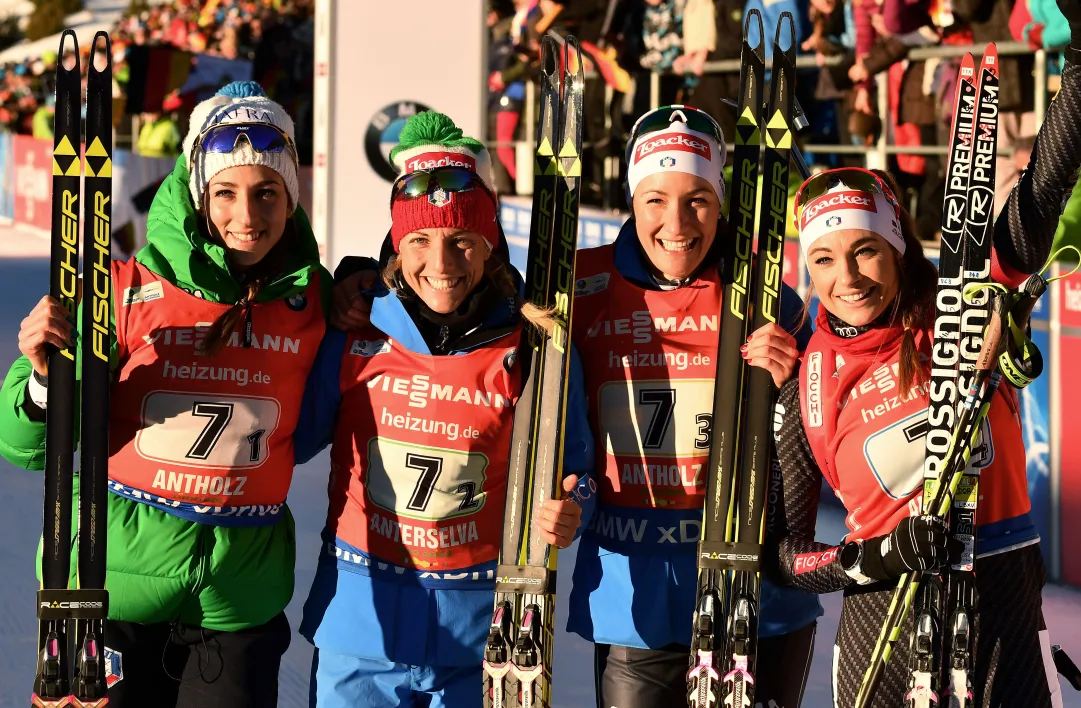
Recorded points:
(915,303)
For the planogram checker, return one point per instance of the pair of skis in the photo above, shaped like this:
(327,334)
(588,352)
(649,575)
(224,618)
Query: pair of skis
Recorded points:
(964,376)
(725,629)
(66,616)
(518,654)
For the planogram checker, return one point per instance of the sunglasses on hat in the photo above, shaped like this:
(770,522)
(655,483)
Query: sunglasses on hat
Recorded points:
(425,182)
(855,178)
(223,138)
(662,118)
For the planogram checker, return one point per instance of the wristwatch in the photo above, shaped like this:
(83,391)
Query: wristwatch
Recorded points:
(851,558)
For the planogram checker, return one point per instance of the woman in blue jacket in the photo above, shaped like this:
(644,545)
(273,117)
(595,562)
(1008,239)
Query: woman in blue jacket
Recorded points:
(647,313)
(418,407)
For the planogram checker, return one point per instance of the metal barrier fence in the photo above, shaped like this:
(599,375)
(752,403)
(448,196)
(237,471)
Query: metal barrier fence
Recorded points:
(877,156)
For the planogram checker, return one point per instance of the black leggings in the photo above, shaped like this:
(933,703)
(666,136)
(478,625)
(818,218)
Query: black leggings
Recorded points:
(647,678)
(1012,648)
(192,667)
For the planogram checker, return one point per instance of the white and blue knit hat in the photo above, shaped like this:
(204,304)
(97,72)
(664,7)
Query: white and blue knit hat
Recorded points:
(239,102)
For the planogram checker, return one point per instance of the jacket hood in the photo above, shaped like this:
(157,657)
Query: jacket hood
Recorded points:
(177,251)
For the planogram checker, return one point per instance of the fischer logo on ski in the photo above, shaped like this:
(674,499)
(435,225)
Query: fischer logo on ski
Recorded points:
(66,616)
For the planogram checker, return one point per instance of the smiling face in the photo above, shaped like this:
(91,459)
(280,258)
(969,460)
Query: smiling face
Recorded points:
(676,216)
(247,208)
(855,273)
(443,265)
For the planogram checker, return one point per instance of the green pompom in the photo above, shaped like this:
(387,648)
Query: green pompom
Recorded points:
(431,128)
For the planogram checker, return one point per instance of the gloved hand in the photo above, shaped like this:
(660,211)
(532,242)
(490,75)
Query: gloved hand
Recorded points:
(916,543)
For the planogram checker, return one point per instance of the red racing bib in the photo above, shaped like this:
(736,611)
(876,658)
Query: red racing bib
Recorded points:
(208,438)
(649,363)
(869,437)
(419,461)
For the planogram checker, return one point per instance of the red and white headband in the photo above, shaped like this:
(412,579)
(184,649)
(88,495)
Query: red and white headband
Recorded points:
(678,149)
(843,208)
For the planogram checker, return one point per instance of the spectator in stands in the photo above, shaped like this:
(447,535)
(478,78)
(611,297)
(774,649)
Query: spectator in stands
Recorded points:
(512,56)
(160,134)
(712,88)
(44,118)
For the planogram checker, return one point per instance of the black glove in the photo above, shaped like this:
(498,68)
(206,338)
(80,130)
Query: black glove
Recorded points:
(916,543)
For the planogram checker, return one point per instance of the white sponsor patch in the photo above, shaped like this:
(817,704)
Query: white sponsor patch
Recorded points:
(592,284)
(143,293)
(369,348)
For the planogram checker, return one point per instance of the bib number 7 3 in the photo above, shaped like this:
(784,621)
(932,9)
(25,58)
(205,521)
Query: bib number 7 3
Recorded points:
(660,418)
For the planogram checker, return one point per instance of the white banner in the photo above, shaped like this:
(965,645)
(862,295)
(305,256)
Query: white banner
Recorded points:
(376,64)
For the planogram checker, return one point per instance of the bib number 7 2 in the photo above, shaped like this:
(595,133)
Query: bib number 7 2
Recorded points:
(422,482)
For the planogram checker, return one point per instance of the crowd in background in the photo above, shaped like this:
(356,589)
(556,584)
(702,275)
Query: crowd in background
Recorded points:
(269,41)
(853,41)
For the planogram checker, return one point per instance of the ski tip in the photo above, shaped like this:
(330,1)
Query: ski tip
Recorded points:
(549,56)
(65,36)
(573,64)
(791,32)
(990,57)
(105,49)
(755,17)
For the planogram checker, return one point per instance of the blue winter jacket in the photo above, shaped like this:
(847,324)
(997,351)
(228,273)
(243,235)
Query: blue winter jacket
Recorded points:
(646,600)
(363,607)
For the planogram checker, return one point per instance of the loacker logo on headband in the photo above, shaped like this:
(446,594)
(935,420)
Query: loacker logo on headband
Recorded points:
(674,141)
(836,201)
(434,160)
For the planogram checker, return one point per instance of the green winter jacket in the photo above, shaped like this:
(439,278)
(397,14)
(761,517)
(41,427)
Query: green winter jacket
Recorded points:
(161,568)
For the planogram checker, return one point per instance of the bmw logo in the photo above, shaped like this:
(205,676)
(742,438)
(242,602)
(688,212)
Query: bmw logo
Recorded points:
(382,135)
(296,302)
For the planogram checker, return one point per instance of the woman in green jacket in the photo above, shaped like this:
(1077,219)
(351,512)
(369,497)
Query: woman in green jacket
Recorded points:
(215,324)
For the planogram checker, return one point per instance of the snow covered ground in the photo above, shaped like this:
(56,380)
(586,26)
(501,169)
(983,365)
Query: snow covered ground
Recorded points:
(23,279)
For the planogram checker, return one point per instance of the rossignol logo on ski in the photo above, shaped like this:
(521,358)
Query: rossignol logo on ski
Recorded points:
(835,201)
(433,160)
(674,141)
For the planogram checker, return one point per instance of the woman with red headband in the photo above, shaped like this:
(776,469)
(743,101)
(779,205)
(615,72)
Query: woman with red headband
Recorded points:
(857,416)
(418,408)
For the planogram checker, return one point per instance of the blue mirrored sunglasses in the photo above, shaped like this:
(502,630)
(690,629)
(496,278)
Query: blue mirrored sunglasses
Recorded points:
(262,137)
